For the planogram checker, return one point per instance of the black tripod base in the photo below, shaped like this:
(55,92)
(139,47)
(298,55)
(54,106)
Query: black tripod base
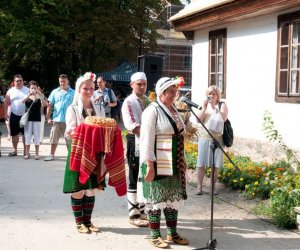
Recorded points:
(211,245)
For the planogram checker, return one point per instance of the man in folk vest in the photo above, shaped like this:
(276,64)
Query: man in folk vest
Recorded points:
(132,109)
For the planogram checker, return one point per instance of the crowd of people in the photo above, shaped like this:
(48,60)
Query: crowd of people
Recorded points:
(156,181)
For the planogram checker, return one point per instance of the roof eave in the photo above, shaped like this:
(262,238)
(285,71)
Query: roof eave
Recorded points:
(230,12)
(196,7)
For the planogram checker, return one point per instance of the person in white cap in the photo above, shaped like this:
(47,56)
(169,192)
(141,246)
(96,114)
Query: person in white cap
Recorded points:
(132,109)
(161,182)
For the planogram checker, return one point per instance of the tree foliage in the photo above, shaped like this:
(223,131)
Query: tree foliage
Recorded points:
(43,38)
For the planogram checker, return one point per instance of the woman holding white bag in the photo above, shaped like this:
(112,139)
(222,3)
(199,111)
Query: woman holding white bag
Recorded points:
(35,104)
(211,109)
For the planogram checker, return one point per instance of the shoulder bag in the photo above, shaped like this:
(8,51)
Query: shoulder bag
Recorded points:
(24,119)
(227,132)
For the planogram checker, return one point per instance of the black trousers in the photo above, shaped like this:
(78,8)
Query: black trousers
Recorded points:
(133,161)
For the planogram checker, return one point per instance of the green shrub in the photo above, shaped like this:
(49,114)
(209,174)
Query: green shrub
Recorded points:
(282,203)
(191,154)
(276,181)
(273,135)
(191,160)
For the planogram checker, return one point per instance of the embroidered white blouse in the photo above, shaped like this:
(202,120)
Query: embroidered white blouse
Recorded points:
(154,122)
(132,112)
(132,109)
(74,115)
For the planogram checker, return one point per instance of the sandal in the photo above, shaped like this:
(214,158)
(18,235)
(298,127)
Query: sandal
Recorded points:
(177,239)
(26,157)
(92,228)
(138,222)
(144,216)
(11,154)
(159,242)
(82,229)
(199,193)
(36,157)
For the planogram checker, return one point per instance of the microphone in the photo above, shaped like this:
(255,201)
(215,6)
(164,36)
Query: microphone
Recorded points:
(190,103)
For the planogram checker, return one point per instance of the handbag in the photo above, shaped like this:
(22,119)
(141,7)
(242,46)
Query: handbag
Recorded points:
(24,119)
(227,132)
(215,124)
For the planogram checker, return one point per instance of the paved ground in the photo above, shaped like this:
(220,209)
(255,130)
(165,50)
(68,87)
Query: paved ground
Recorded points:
(36,215)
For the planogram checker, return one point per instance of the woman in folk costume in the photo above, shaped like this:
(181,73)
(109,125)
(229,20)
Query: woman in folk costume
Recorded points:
(162,186)
(83,196)
(132,109)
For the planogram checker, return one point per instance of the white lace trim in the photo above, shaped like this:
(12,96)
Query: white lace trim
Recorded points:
(174,205)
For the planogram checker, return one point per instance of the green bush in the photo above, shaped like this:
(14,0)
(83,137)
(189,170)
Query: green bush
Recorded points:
(191,160)
(282,203)
(276,181)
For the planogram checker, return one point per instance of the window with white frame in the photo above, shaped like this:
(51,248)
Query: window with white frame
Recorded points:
(217,59)
(288,58)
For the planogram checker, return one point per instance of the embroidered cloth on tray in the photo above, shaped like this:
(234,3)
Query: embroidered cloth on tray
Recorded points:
(89,140)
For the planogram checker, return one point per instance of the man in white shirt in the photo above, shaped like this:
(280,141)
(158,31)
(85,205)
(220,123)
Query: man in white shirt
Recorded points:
(14,96)
(132,109)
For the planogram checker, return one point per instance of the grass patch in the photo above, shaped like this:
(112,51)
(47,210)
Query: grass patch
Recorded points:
(261,209)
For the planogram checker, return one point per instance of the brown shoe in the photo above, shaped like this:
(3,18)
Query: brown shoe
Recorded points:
(82,229)
(159,242)
(177,239)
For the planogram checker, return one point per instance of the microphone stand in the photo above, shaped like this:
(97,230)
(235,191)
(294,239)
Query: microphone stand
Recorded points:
(212,243)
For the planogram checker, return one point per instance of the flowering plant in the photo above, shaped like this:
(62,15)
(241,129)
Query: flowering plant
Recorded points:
(152,96)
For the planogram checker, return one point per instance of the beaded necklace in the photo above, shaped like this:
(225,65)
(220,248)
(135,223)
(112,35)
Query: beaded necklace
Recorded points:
(176,118)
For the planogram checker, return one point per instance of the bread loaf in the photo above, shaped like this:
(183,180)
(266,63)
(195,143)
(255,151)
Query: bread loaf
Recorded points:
(100,121)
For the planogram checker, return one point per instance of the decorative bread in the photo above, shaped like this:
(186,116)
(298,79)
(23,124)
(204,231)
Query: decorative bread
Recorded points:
(100,121)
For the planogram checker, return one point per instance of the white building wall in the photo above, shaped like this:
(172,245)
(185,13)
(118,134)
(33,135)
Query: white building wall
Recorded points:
(251,76)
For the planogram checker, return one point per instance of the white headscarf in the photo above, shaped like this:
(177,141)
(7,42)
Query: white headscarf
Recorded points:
(77,100)
(138,76)
(79,82)
(164,83)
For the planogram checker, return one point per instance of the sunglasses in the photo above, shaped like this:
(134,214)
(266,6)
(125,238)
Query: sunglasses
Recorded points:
(64,76)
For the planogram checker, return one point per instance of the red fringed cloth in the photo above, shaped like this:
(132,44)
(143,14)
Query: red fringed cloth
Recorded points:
(89,140)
